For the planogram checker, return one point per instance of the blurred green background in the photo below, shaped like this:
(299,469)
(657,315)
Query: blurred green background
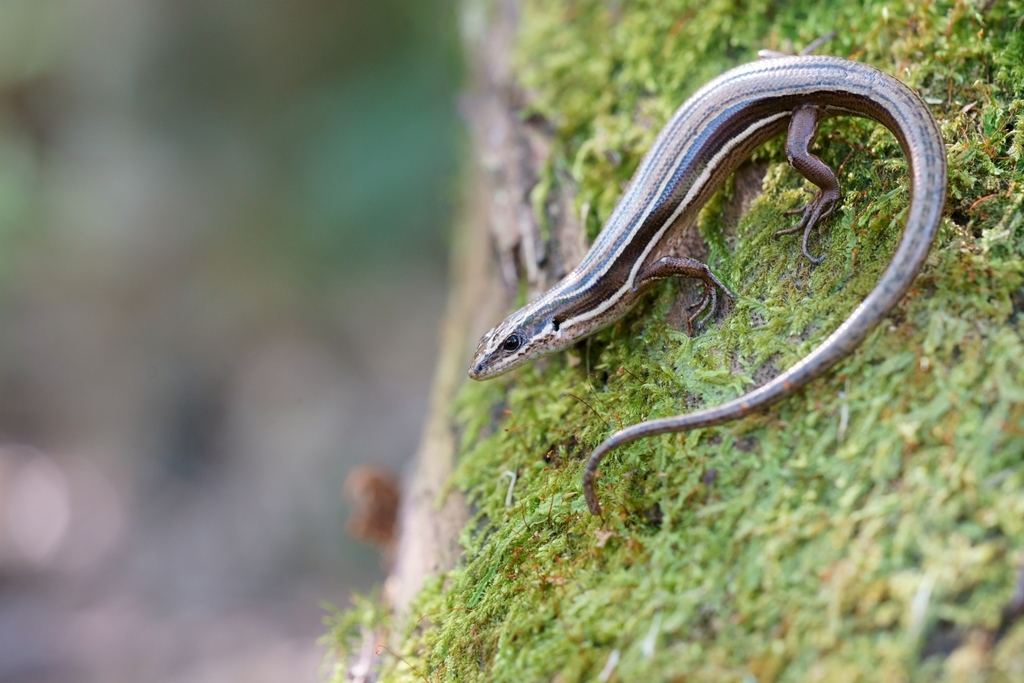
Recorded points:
(222,252)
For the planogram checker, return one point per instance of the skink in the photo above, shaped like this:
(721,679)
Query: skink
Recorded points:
(700,146)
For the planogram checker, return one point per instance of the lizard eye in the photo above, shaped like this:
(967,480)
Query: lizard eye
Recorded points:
(511,343)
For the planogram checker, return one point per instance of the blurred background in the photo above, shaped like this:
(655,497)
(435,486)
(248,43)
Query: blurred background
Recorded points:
(222,253)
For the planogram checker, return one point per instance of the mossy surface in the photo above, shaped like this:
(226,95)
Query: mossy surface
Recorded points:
(869,528)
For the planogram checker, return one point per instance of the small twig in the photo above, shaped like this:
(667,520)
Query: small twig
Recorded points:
(1013,610)
(626,370)
(609,667)
(984,199)
(522,511)
(650,641)
(818,42)
(919,605)
(844,412)
(527,425)
(401,659)
(442,611)
(362,669)
(511,485)
(591,407)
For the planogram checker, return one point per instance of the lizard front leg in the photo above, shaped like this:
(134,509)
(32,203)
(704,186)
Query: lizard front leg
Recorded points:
(670,266)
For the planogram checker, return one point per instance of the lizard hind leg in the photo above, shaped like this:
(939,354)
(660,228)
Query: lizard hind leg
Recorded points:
(810,49)
(803,128)
(670,266)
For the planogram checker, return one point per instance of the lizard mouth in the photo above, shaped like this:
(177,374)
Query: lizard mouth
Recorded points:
(477,371)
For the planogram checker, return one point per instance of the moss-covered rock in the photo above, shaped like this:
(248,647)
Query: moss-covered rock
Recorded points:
(871,527)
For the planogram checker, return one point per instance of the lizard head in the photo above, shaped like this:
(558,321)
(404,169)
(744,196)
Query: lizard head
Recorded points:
(519,338)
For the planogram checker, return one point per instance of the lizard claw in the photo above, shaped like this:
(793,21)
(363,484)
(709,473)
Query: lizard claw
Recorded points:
(708,302)
(821,206)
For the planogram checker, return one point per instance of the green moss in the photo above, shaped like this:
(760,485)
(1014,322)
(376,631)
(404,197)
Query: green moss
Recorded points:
(856,530)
